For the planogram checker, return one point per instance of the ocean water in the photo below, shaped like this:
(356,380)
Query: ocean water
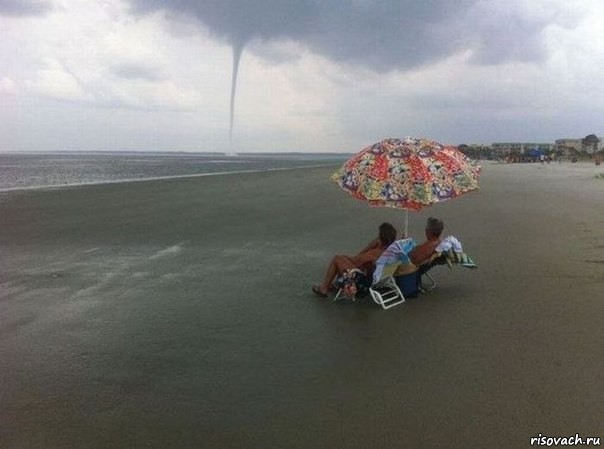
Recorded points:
(42,170)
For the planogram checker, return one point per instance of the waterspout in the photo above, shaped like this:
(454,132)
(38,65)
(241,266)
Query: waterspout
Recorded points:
(237,50)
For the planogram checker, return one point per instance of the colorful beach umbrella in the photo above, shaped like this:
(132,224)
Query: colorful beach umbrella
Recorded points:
(408,174)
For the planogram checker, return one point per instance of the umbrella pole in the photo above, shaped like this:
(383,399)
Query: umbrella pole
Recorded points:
(406,224)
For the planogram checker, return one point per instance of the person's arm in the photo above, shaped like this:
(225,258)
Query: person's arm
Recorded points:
(423,253)
(372,245)
(366,257)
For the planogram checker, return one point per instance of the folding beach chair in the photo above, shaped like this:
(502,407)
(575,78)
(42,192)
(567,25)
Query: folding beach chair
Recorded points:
(449,258)
(385,292)
(426,288)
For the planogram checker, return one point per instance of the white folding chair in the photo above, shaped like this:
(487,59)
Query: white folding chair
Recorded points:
(385,292)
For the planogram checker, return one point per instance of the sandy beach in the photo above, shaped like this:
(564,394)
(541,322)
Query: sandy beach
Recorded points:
(178,313)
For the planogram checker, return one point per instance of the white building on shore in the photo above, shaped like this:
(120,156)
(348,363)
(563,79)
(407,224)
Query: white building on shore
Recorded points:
(563,146)
(506,148)
(575,145)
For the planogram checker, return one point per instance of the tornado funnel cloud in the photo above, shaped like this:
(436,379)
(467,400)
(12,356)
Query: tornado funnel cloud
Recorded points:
(237,50)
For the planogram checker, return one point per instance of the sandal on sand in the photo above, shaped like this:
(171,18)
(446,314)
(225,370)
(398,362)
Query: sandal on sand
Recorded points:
(318,292)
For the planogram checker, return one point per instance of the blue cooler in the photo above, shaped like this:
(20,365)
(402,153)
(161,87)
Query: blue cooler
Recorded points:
(409,284)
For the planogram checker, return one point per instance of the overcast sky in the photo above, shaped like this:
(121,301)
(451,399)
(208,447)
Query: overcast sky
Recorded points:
(314,75)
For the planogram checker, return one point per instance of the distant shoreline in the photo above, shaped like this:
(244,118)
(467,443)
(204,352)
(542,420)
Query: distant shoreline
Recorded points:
(26,171)
(156,178)
(233,154)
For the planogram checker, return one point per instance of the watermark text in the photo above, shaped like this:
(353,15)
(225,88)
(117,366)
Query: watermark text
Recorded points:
(574,440)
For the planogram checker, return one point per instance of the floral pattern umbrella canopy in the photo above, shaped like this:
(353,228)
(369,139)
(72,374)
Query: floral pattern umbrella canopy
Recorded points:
(407,173)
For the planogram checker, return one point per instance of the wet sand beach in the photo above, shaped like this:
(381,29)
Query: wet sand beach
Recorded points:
(178,313)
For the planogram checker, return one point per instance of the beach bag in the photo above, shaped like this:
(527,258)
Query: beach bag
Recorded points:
(353,282)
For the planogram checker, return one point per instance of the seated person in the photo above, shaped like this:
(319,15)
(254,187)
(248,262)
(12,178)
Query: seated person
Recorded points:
(424,255)
(364,260)
(420,259)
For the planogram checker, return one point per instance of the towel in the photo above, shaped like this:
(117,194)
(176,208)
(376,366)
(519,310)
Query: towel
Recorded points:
(454,257)
(396,253)
(448,243)
(452,249)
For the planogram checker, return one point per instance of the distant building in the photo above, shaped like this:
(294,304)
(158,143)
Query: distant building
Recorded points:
(521,150)
(504,149)
(568,146)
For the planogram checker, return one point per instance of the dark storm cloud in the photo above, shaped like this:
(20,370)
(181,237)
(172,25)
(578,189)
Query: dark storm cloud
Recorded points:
(22,8)
(509,33)
(380,34)
(240,21)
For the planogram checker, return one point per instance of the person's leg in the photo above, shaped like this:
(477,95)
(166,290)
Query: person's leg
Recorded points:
(336,266)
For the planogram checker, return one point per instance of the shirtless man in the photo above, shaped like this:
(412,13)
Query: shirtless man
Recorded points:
(424,252)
